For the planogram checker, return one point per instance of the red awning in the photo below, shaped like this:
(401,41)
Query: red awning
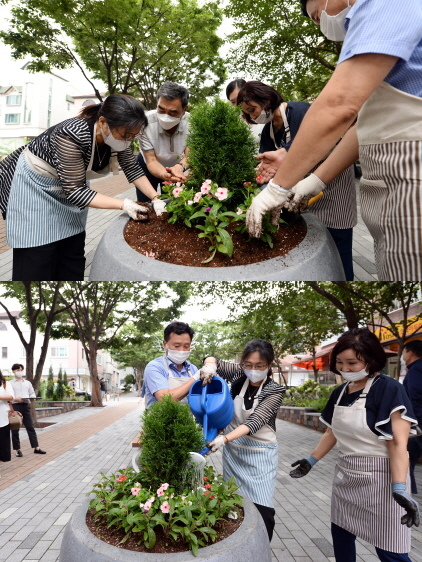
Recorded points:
(310,364)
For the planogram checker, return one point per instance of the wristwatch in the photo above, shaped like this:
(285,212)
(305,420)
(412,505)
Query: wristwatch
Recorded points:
(183,166)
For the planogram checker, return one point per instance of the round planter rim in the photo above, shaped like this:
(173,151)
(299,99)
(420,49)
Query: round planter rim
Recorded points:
(81,530)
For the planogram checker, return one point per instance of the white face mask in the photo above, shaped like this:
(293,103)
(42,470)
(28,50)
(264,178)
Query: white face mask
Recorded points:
(353,377)
(18,374)
(177,356)
(264,117)
(167,121)
(255,375)
(115,144)
(333,26)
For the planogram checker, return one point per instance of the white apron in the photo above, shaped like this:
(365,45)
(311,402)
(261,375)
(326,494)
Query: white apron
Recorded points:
(389,131)
(38,210)
(175,382)
(362,501)
(286,128)
(253,459)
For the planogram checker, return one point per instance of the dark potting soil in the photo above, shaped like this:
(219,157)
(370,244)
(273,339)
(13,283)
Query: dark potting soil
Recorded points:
(178,244)
(163,545)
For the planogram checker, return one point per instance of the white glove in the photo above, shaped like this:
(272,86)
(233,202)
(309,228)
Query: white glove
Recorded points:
(159,207)
(272,198)
(136,211)
(303,191)
(207,372)
(217,443)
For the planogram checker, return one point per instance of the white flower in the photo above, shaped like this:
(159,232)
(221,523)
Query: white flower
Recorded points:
(190,202)
(232,515)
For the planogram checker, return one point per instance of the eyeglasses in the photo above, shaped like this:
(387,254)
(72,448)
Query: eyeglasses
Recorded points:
(258,367)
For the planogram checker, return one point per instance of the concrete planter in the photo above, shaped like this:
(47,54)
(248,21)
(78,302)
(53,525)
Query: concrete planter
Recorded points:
(315,259)
(248,544)
(302,416)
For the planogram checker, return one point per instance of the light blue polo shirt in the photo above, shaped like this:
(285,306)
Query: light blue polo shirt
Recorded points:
(388,27)
(156,376)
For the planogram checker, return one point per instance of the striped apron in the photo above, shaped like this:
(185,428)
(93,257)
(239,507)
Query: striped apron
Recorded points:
(389,131)
(362,501)
(252,460)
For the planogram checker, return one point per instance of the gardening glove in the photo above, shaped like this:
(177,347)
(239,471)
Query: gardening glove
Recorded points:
(411,517)
(272,198)
(217,443)
(297,200)
(301,470)
(207,372)
(136,211)
(159,206)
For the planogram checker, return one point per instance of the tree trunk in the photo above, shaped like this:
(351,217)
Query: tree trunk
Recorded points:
(96,401)
(314,365)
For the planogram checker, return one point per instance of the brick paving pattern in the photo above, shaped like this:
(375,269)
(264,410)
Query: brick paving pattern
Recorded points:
(99,219)
(35,509)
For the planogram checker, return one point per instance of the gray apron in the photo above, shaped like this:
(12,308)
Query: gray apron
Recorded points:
(362,502)
(175,382)
(252,460)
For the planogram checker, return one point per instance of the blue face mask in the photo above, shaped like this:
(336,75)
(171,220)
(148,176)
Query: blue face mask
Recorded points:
(333,26)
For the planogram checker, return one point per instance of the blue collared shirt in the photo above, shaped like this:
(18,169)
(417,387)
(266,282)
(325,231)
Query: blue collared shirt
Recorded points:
(156,377)
(391,28)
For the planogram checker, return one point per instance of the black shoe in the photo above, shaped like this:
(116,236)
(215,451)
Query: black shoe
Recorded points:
(19,453)
(40,451)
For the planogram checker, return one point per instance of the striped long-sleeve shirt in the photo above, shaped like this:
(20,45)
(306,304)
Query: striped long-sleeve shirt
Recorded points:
(66,147)
(269,400)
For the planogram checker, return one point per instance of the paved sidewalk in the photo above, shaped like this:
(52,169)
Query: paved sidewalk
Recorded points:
(99,220)
(35,509)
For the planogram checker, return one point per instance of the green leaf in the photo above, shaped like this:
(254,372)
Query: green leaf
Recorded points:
(227,241)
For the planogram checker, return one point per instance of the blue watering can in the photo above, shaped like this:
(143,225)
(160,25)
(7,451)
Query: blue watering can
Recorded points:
(212,406)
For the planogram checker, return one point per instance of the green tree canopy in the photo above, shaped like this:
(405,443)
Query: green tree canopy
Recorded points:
(131,45)
(274,42)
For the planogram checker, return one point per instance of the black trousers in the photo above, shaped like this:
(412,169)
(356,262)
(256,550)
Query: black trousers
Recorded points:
(153,180)
(63,260)
(268,515)
(414,446)
(25,410)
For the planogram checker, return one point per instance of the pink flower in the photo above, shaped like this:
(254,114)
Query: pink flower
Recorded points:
(178,184)
(135,491)
(160,492)
(222,193)
(164,486)
(165,507)
(208,209)
(239,211)
(197,197)
(205,188)
(121,479)
(176,191)
(207,181)
(137,484)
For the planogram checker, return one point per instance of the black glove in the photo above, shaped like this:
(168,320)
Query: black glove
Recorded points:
(302,470)
(411,506)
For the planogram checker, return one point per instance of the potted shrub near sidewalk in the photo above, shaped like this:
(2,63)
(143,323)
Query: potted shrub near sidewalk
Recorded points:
(168,511)
(203,236)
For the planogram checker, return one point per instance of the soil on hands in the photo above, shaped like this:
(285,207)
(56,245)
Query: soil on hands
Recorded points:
(178,244)
(163,545)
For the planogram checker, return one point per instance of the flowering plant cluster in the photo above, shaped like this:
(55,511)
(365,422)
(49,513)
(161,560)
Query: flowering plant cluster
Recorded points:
(211,210)
(191,517)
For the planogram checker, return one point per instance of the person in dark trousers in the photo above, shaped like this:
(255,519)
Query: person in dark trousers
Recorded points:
(412,356)
(103,388)
(6,396)
(24,393)
(369,419)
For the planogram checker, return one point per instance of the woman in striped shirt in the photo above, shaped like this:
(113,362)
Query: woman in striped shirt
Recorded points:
(337,209)
(250,451)
(44,191)
(369,419)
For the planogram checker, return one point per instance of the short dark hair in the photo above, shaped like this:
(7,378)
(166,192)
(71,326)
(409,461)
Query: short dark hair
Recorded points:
(303,6)
(119,110)
(172,91)
(178,328)
(234,85)
(16,366)
(263,347)
(367,347)
(415,346)
(2,380)
(261,93)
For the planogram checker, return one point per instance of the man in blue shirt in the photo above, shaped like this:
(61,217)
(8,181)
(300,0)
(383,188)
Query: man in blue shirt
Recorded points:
(412,356)
(171,373)
(379,80)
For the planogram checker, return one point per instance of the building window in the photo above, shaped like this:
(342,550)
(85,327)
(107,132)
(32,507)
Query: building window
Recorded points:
(50,96)
(12,118)
(23,352)
(59,352)
(99,359)
(83,353)
(29,92)
(13,100)
(4,352)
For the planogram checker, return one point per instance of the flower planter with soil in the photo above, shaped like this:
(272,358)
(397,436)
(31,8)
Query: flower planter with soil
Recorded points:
(315,257)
